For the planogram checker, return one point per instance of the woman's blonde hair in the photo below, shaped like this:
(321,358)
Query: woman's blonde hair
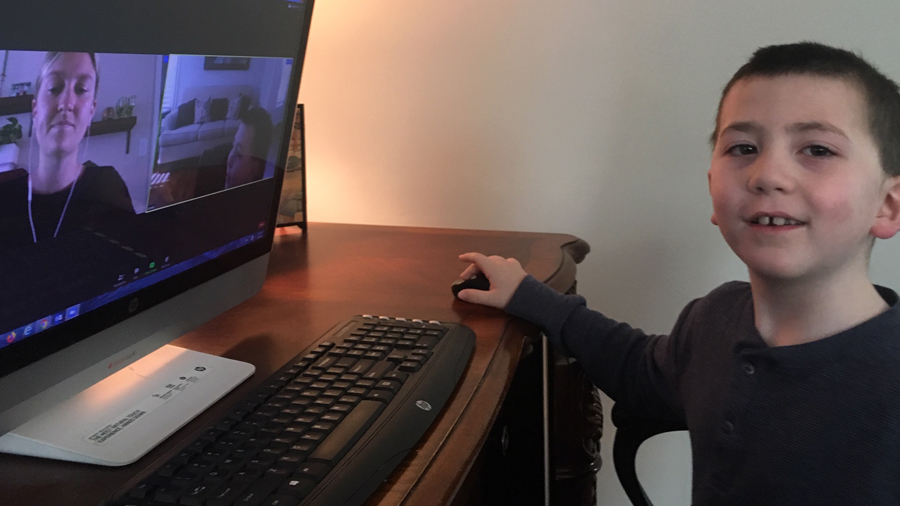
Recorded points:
(52,56)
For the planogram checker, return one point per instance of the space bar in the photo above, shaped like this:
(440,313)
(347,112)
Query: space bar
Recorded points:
(347,433)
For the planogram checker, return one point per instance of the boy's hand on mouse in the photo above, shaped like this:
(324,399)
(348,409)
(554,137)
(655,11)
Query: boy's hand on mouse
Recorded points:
(505,275)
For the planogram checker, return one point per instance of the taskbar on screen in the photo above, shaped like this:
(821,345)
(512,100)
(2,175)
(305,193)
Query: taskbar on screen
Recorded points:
(153,275)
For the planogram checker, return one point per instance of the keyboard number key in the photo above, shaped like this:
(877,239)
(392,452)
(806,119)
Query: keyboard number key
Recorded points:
(409,366)
(313,470)
(381,396)
(388,385)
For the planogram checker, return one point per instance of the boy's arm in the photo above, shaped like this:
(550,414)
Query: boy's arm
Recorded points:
(627,364)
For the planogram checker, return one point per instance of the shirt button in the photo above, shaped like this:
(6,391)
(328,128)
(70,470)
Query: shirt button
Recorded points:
(728,427)
(748,368)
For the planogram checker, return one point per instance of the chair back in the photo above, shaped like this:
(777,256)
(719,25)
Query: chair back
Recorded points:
(631,431)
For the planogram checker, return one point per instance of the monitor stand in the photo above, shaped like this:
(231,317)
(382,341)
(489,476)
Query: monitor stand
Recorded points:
(119,419)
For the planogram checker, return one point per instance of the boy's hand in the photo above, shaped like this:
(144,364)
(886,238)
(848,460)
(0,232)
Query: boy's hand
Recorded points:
(505,275)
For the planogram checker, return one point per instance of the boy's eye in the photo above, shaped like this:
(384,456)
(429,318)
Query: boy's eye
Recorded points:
(818,151)
(741,150)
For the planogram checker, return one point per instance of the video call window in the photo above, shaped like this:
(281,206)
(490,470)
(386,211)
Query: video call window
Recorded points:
(91,143)
(83,125)
(216,128)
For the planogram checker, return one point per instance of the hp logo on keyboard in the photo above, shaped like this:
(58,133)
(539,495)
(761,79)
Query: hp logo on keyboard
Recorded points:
(423,405)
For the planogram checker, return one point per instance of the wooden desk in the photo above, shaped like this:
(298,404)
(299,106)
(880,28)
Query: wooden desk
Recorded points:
(317,279)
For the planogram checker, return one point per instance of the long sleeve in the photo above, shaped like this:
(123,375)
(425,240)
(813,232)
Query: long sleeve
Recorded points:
(629,365)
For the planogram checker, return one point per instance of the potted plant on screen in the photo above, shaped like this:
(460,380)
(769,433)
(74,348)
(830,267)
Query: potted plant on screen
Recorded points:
(9,150)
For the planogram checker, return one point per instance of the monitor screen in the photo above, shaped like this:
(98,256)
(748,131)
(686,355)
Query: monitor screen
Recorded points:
(142,146)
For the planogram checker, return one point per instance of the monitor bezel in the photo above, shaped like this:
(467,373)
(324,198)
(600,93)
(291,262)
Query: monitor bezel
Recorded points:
(27,352)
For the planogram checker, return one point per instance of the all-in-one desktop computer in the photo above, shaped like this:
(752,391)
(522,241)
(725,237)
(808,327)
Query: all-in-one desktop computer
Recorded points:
(141,158)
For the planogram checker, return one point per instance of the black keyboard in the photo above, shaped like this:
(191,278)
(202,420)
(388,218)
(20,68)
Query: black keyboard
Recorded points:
(325,429)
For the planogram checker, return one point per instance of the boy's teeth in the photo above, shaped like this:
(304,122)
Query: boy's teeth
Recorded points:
(776,221)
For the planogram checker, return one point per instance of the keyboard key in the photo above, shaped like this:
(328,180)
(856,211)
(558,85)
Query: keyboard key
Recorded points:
(428,342)
(281,500)
(227,493)
(323,426)
(168,469)
(405,344)
(362,366)
(249,474)
(396,357)
(259,490)
(347,433)
(378,371)
(333,416)
(388,385)
(409,366)
(297,487)
(144,488)
(169,492)
(197,495)
(397,376)
(380,396)
(349,399)
(313,436)
(325,362)
(324,401)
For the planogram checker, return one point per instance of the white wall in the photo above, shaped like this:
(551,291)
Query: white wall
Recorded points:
(582,116)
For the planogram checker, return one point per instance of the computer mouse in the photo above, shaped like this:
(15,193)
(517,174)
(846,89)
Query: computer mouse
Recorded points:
(478,282)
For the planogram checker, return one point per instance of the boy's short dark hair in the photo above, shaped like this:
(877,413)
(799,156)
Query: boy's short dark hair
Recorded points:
(881,94)
(261,121)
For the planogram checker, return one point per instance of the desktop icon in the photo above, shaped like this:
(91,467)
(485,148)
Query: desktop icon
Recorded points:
(73,311)
(11,337)
(43,324)
(29,329)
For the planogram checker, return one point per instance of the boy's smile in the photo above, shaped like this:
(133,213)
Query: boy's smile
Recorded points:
(795,178)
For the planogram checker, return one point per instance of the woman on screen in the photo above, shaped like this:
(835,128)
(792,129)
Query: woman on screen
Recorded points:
(63,193)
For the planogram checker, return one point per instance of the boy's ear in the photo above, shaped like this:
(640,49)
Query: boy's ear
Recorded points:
(887,221)
(709,182)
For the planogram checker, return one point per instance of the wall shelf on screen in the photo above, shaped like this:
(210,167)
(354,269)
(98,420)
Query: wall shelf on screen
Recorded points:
(15,105)
(111,126)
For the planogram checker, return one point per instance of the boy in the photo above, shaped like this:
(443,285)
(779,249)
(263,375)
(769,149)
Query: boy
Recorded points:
(789,384)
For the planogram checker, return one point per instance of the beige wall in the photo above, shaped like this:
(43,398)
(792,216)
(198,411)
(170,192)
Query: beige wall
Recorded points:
(581,116)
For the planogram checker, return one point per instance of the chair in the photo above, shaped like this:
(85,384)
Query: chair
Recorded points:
(631,431)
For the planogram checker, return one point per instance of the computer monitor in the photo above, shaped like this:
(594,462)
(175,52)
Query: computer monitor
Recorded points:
(142,146)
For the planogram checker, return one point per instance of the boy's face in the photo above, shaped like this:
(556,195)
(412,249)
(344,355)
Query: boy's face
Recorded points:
(795,177)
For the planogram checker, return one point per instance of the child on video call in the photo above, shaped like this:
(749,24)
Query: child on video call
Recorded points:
(789,384)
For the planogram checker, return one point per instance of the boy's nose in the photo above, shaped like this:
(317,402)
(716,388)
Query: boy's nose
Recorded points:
(770,174)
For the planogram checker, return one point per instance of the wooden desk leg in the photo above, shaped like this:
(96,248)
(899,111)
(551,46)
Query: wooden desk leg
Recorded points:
(576,425)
